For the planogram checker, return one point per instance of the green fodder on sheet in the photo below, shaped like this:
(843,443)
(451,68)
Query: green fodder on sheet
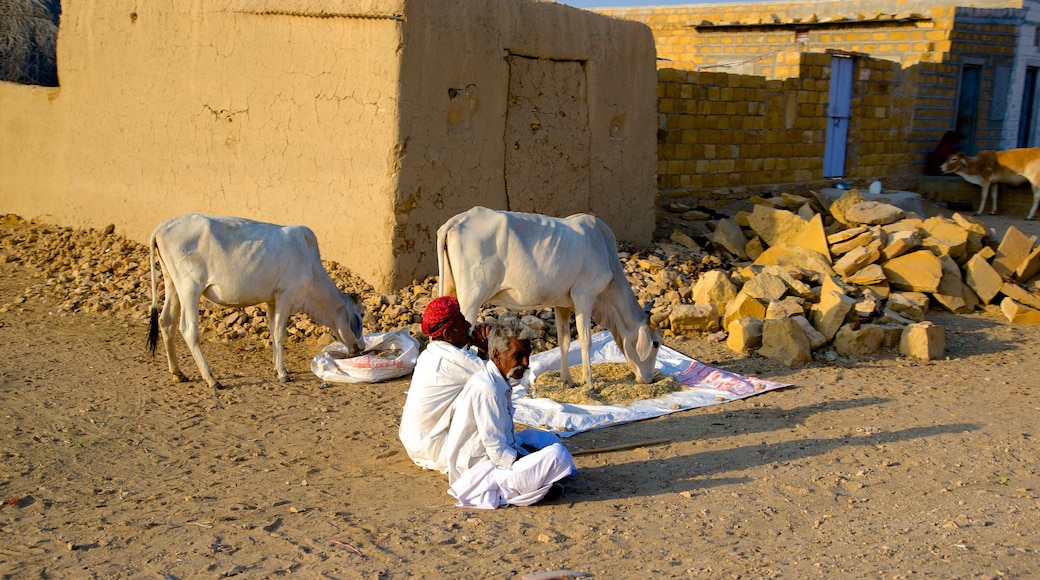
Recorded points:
(613,384)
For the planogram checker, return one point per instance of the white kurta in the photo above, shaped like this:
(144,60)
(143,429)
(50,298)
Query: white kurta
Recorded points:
(481,450)
(440,373)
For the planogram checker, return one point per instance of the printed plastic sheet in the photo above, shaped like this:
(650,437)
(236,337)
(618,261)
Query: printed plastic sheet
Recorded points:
(705,386)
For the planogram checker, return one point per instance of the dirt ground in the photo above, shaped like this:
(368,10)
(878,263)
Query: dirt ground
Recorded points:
(872,467)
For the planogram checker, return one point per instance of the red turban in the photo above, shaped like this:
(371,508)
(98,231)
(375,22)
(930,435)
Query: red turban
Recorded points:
(439,315)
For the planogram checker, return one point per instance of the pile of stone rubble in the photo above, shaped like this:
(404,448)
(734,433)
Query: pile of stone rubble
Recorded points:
(101,272)
(786,279)
(853,278)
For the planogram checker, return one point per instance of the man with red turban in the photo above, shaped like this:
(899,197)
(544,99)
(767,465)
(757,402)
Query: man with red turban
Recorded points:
(453,354)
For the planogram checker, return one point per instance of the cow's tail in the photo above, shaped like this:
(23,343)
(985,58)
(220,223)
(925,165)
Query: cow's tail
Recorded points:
(153,316)
(445,278)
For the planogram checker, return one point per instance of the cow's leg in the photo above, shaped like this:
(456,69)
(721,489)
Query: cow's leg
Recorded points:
(1036,201)
(190,330)
(583,320)
(985,194)
(171,313)
(563,338)
(993,195)
(278,316)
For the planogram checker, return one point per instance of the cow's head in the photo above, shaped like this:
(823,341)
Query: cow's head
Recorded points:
(348,324)
(953,163)
(640,348)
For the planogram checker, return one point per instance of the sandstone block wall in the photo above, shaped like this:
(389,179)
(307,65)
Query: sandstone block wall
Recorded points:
(723,136)
(901,111)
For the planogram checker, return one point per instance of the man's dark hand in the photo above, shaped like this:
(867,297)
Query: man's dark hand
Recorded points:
(479,336)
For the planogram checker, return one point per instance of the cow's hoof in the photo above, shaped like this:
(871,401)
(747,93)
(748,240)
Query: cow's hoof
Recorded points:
(284,379)
(179,378)
(218,387)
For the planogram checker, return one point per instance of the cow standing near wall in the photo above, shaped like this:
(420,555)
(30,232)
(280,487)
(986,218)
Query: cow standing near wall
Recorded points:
(532,261)
(236,262)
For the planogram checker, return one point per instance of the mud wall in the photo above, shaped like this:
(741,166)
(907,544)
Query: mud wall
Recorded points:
(369,121)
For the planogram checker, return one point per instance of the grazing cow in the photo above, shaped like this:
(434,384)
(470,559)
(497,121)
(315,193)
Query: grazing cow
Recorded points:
(522,260)
(236,262)
(990,168)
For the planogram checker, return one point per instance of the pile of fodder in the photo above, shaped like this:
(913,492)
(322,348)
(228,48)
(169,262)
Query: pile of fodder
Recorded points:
(613,384)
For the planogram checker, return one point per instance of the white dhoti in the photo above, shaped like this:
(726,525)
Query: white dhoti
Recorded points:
(525,482)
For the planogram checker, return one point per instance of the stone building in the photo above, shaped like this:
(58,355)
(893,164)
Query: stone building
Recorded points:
(972,70)
(371,121)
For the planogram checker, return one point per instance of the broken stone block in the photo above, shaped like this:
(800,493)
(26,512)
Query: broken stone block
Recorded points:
(816,340)
(775,226)
(742,306)
(889,316)
(866,306)
(1019,313)
(945,237)
(861,341)
(923,340)
(730,237)
(765,287)
(920,271)
(683,240)
(784,341)
(1020,295)
(714,287)
(893,333)
(754,248)
(745,334)
(793,256)
(793,201)
(785,308)
(846,235)
(794,285)
(859,241)
(873,213)
(868,276)
(881,289)
(951,288)
(906,304)
(1012,251)
(900,243)
(969,223)
(1030,266)
(857,259)
(770,202)
(828,316)
(690,318)
(841,205)
(982,278)
(812,237)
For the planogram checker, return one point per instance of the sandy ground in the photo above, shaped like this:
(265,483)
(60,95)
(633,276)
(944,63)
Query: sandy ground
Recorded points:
(873,467)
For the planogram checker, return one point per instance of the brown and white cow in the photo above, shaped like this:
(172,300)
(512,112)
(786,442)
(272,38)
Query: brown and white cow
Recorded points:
(236,262)
(990,168)
(523,260)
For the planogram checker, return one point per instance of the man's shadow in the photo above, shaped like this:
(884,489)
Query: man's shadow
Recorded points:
(693,472)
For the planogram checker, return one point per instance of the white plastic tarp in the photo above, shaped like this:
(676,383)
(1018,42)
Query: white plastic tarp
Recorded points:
(705,386)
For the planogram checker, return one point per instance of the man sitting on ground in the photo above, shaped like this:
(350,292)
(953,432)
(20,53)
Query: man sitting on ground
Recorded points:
(440,373)
(489,466)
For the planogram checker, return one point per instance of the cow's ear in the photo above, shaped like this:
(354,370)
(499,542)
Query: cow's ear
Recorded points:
(644,343)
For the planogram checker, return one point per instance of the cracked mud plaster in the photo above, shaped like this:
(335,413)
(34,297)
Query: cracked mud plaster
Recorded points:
(462,105)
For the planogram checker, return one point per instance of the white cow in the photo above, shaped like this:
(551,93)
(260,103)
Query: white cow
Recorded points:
(522,260)
(236,262)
